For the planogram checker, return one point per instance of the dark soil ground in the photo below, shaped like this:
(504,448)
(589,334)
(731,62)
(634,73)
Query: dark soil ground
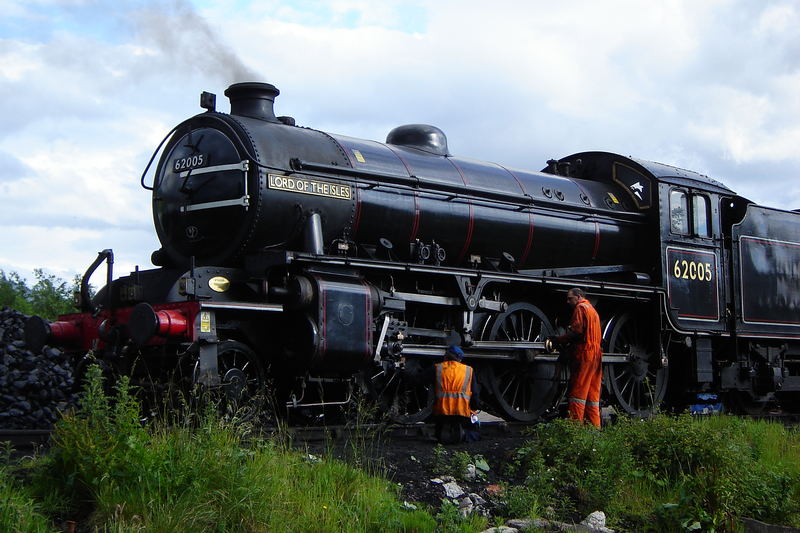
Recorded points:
(412,462)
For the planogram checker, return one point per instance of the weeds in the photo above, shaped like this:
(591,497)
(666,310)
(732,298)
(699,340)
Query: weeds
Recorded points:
(201,477)
(19,513)
(197,474)
(460,464)
(668,474)
(450,520)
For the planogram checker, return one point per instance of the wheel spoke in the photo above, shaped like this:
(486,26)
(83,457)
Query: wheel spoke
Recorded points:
(507,387)
(530,331)
(515,326)
(402,400)
(241,380)
(391,379)
(627,384)
(645,384)
(521,390)
(632,392)
(516,391)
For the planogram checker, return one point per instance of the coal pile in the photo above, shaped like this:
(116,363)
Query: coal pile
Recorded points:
(34,387)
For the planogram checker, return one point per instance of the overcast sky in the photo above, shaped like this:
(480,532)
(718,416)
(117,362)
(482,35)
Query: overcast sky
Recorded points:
(89,88)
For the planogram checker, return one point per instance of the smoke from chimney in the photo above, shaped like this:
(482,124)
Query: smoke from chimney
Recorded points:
(187,39)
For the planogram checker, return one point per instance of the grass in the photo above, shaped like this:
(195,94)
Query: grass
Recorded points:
(202,472)
(19,512)
(201,477)
(663,474)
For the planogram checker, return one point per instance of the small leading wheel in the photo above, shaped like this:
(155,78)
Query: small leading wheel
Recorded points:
(522,390)
(406,396)
(638,386)
(242,384)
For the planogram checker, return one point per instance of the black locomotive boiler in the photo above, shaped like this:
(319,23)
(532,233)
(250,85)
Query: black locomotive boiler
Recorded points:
(315,265)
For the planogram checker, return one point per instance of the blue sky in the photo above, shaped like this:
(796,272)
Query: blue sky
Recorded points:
(88,88)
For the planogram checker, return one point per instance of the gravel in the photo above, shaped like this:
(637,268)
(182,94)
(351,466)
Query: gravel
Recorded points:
(34,386)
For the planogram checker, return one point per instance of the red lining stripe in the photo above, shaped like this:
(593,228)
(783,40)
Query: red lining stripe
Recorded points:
(415,222)
(770,322)
(771,242)
(468,240)
(527,250)
(324,317)
(367,322)
(698,316)
(471,224)
(521,187)
(347,152)
(400,157)
(357,217)
(528,244)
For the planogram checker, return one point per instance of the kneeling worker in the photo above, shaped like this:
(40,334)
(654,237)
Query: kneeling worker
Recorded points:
(456,399)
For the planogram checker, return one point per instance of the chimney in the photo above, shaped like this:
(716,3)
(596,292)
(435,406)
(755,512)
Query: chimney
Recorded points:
(253,99)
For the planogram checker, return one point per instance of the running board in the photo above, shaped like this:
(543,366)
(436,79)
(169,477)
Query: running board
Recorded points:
(498,350)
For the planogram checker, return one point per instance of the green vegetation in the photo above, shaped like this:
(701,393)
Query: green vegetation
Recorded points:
(663,474)
(204,473)
(19,513)
(48,297)
(200,476)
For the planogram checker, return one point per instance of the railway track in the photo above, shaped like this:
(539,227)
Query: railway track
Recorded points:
(21,439)
(29,439)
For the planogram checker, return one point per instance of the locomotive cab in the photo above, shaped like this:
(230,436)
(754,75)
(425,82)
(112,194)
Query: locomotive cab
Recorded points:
(694,269)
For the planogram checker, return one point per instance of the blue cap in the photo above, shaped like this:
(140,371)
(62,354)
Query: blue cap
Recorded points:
(455,350)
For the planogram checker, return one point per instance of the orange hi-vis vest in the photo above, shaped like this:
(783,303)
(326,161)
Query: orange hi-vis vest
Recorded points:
(453,389)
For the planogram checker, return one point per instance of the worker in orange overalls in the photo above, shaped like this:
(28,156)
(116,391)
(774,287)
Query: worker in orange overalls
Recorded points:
(582,341)
(456,392)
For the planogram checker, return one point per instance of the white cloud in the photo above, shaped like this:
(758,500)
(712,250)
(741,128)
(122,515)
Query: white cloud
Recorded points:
(89,88)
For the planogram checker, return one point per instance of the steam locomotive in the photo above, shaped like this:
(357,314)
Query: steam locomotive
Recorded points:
(313,266)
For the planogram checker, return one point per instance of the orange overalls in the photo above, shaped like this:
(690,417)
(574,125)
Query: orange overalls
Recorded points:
(587,375)
(453,389)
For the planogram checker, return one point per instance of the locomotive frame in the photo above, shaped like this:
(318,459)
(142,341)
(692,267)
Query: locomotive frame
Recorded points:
(279,265)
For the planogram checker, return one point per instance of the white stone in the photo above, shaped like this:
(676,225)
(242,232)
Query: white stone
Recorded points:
(520,523)
(452,490)
(471,472)
(595,520)
(437,481)
(501,529)
(476,499)
(465,506)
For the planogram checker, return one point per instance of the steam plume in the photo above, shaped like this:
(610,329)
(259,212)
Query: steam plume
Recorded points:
(186,39)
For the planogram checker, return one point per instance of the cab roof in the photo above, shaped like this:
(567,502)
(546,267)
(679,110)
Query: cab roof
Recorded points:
(599,165)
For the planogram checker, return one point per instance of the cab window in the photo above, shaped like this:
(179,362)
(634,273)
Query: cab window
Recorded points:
(678,212)
(700,216)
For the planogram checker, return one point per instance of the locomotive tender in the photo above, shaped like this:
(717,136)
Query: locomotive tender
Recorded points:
(318,264)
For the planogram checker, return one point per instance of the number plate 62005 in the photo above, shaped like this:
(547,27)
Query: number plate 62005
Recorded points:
(189,162)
